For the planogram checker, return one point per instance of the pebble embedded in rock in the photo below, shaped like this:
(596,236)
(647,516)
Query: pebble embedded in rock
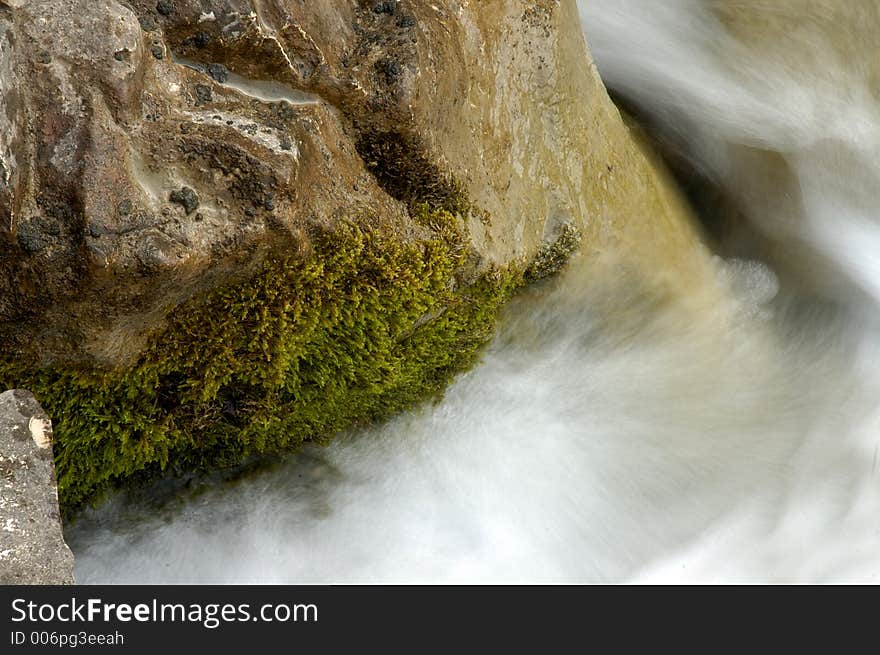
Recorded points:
(186,198)
(203,93)
(148,23)
(158,51)
(202,39)
(219,72)
(165,7)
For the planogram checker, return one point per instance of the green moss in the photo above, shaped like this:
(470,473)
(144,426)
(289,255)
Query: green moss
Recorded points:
(361,328)
(401,165)
(554,255)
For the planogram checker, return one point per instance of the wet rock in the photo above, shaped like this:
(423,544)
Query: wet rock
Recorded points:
(32,547)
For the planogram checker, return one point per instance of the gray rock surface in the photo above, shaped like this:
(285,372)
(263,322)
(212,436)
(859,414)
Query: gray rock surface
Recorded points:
(32,547)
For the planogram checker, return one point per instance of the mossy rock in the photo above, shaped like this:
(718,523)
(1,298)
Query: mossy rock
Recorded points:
(363,326)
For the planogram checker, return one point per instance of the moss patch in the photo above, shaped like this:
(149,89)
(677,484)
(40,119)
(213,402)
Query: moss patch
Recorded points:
(404,170)
(553,256)
(359,329)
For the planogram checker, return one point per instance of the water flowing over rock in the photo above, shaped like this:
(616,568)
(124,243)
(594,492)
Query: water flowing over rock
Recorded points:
(32,548)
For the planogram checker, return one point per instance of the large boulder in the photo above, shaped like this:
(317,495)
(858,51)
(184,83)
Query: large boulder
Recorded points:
(32,547)
(230,226)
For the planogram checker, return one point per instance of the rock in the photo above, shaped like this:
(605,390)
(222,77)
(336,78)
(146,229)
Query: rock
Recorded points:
(477,129)
(491,109)
(32,547)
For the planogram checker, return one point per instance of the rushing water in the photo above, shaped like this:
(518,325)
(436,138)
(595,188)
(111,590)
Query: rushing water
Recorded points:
(610,434)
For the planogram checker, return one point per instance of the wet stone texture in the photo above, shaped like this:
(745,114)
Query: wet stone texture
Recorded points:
(32,548)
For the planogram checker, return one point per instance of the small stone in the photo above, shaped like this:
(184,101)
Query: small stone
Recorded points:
(124,207)
(406,22)
(165,7)
(158,51)
(383,8)
(44,57)
(186,198)
(203,94)
(269,202)
(219,72)
(285,143)
(148,23)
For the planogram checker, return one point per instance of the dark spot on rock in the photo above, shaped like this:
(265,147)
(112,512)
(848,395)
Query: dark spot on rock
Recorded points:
(124,207)
(269,202)
(250,128)
(383,8)
(96,230)
(148,23)
(199,216)
(219,72)
(406,22)
(203,94)
(31,238)
(202,39)
(185,128)
(158,51)
(186,198)
(285,143)
(283,110)
(249,212)
(122,55)
(44,57)
(165,7)
(389,69)
(230,122)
